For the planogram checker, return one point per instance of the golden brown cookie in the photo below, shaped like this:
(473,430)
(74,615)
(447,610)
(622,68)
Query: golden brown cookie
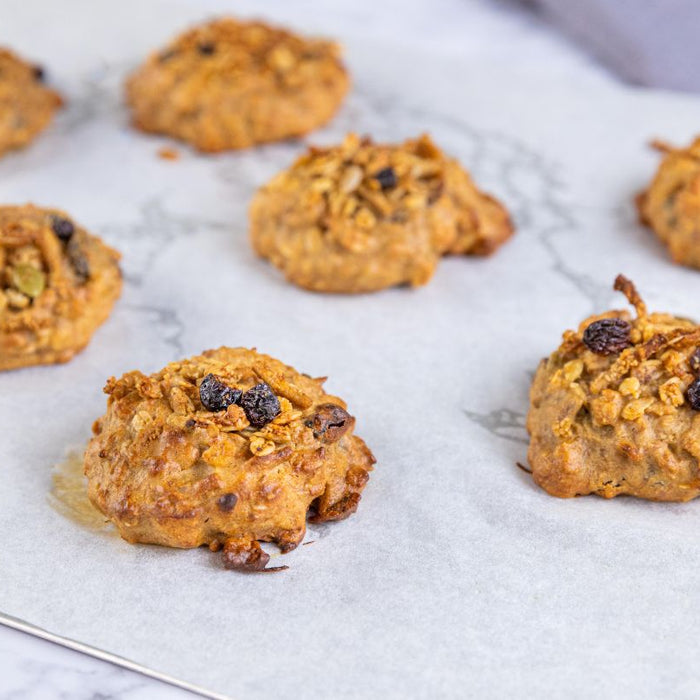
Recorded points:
(230,84)
(225,449)
(616,408)
(58,283)
(26,104)
(362,216)
(671,204)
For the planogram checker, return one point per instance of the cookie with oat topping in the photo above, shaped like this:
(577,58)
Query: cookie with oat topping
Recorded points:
(616,408)
(671,204)
(58,283)
(225,449)
(27,105)
(361,216)
(230,84)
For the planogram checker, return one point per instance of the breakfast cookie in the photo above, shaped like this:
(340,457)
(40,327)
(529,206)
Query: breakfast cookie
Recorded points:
(26,104)
(225,449)
(671,204)
(361,217)
(231,84)
(58,283)
(616,408)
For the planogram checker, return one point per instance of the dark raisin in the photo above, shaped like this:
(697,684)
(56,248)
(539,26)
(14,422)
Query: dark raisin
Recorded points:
(330,422)
(260,405)
(693,395)
(227,502)
(63,228)
(694,361)
(206,48)
(607,336)
(386,177)
(215,395)
(39,73)
(78,260)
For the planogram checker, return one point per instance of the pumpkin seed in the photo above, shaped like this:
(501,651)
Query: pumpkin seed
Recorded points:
(28,280)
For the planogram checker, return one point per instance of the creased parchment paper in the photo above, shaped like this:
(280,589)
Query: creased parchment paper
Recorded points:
(457,577)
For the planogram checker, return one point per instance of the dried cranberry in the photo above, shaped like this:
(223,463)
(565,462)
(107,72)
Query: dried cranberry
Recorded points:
(693,395)
(386,177)
(260,405)
(206,48)
(63,228)
(215,395)
(607,336)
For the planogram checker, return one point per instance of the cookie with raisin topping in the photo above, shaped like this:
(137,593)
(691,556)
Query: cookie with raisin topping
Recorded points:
(361,216)
(615,410)
(58,283)
(226,449)
(230,84)
(27,104)
(670,206)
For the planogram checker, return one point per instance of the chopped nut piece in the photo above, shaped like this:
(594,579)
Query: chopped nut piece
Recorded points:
(635,409)
(16,300)
(630,387)
(351,179)
(671,393)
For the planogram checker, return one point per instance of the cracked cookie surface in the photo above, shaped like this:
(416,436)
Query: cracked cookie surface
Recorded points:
(361,216)
(616,408)
(671,204)
(27,105)
(229,84)
(58,283)
(224,449)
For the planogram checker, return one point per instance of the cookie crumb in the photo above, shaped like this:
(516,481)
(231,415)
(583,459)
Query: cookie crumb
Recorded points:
(168,153)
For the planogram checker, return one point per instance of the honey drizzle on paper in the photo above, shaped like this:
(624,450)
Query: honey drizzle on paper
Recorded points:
(69,494)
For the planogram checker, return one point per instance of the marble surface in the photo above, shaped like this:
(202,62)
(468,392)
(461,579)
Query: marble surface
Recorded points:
(499,34)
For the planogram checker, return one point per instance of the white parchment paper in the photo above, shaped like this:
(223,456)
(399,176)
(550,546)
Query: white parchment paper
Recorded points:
(457,577)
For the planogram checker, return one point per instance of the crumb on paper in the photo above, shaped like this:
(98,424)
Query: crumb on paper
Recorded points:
(168,153)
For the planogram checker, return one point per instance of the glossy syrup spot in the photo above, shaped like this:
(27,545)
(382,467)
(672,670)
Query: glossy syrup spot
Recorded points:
(69,494)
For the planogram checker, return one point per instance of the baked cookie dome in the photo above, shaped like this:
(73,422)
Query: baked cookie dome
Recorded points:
(58,283)
(225,449)
(360,216)
(27,105)
(616,408)
(230,84)
(671,204)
